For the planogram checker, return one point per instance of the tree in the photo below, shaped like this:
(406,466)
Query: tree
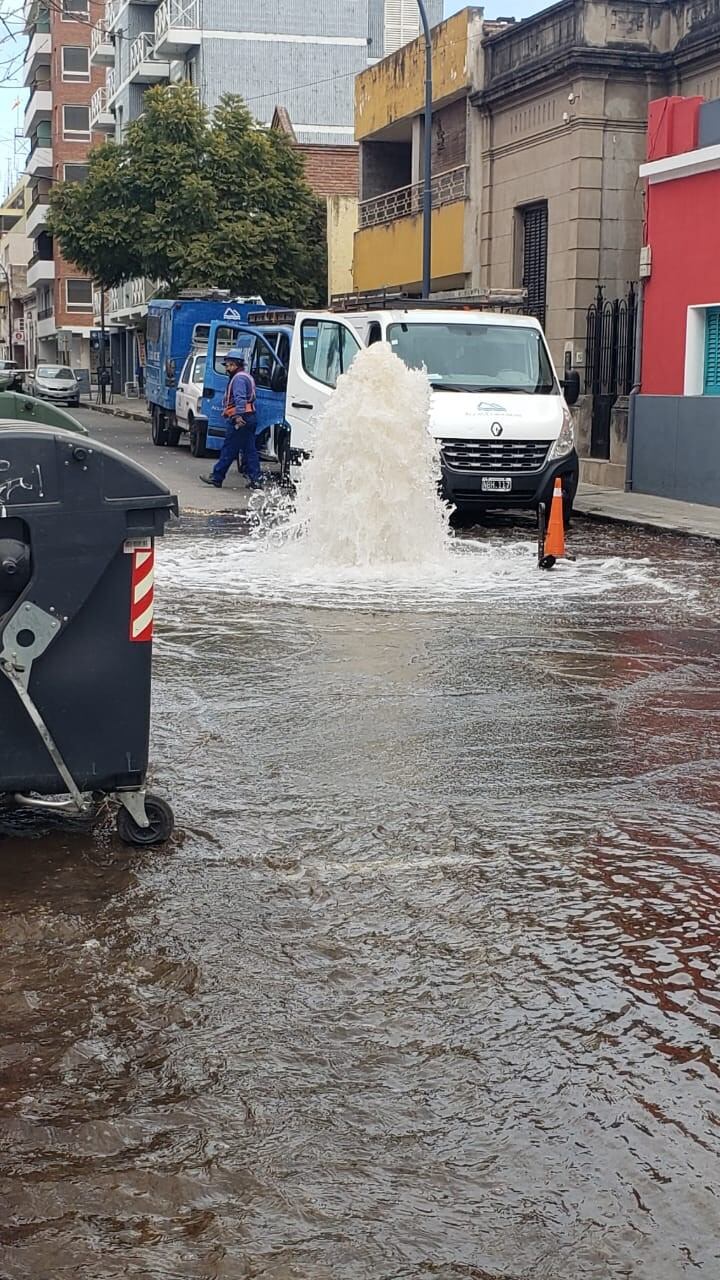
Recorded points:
(196,202)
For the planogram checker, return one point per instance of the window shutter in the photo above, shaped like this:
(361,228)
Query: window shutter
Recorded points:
(535,249)
(402,23)
(711,379)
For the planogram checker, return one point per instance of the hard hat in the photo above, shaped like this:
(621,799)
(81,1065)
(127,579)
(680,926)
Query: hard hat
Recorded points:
(235,354)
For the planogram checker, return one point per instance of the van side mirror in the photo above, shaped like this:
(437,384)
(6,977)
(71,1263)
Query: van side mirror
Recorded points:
(571,386)
(278,378)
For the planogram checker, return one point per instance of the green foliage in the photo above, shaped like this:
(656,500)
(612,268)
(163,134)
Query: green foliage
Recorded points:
(196,202)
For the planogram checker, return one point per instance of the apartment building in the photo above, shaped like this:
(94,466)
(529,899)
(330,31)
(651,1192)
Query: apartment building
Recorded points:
(275,53)
(14,254)
(61,81)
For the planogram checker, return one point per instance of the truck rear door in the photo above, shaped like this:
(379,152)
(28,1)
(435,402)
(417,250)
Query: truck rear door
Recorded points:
(256,348)
(323,347)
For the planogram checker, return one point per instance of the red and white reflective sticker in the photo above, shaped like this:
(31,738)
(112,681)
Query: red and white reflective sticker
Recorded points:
(142,583)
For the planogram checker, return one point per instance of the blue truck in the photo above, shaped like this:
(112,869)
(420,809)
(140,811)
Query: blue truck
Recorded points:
(176,327)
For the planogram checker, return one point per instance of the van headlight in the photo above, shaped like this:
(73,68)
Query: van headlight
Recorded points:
(565,442)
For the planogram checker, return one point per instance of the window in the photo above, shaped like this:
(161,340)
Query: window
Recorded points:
(533,233)
(76,124)
(152,330)
(711,368)
(226,339)
(328,349)
(76,63)
(185,375)
(75,10)
(262,365)
(75,172)
(200,335)
(79,295)
(198,372)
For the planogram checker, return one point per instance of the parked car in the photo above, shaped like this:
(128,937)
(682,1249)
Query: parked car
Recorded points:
(54,382)
(8,372)
(188,403)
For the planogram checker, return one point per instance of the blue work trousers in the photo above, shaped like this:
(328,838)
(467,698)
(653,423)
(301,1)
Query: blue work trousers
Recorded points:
(239,440)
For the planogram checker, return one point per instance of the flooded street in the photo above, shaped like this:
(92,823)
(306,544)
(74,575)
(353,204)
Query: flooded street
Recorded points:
(427,982)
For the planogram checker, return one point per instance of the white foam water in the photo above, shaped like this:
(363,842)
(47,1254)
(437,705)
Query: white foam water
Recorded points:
(368,494)
(484,573)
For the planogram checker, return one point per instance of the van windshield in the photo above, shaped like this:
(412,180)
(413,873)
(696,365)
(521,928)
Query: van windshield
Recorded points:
(476,357)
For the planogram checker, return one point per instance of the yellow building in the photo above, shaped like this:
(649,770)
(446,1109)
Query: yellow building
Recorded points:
(389,105)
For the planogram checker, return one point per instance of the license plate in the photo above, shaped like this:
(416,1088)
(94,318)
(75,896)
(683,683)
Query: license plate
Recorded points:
(496,484)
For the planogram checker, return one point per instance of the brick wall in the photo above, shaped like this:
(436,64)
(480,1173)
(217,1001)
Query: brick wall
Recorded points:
(330,171)
(66,151)
(449,134)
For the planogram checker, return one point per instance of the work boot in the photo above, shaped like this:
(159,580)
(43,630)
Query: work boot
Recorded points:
(209,480)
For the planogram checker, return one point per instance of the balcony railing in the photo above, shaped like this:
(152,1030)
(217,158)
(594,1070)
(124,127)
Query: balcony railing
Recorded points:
(112,13)
(110,85)
(46,313)
(141,50)
(176,13)
(403,202)
(99,104)
(100,35)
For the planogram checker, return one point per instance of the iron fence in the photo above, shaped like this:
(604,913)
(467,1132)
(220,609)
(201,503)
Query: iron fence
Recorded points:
(610,344)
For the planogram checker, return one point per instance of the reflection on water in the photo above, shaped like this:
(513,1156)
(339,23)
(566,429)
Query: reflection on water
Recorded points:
(428,984)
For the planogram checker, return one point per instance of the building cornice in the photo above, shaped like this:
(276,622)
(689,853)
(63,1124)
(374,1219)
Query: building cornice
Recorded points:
(619,61)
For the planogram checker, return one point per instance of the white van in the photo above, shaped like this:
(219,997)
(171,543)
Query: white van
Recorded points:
(498,412)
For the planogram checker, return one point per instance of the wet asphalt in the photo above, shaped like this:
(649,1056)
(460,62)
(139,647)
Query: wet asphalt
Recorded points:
(426,983)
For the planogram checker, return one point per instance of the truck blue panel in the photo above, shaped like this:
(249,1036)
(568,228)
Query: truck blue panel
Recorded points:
(170,327)
(270,404)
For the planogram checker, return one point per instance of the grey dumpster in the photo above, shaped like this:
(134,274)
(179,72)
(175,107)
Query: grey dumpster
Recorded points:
(77,528)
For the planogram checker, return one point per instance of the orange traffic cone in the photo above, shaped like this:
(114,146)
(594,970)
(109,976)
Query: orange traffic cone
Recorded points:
(554,544)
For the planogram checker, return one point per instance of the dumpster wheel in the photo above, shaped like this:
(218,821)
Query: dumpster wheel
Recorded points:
(161,823)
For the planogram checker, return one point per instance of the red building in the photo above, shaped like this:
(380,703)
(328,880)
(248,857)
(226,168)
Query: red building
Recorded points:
(682,292)
(675,437)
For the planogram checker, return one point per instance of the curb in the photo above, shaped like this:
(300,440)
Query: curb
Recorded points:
(127,414)
(633,520)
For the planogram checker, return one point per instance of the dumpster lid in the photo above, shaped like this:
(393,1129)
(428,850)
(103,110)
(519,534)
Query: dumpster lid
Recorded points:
(43,465)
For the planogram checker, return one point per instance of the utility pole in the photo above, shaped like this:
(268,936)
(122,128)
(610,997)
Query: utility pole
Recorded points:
(427,158)
(101,367)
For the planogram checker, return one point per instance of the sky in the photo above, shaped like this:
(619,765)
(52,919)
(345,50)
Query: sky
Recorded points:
(11,87)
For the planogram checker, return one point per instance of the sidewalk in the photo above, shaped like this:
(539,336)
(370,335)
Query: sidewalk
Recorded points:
(136,410)
(643,509)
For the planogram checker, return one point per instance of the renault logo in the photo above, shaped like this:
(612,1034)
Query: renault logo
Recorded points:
(496,429)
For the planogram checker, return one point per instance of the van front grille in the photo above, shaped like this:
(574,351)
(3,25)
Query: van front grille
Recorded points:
(505,456)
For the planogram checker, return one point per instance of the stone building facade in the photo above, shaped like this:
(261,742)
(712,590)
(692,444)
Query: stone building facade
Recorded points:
(555,113)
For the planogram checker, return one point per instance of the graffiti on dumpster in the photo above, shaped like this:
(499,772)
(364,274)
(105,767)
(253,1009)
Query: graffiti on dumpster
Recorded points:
(10,484)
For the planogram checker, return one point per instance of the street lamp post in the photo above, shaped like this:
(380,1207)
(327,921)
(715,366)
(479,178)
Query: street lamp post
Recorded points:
(427,158)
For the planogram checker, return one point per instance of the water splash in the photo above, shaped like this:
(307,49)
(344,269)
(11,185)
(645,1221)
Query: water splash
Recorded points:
(368,494)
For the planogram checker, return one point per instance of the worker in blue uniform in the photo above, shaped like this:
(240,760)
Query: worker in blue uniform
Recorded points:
(239,411)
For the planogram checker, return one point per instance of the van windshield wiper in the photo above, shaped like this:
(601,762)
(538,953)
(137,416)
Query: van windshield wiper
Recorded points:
(451,386)
(524,391)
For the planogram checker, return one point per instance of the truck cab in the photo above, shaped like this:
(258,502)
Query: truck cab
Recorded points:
(177,327)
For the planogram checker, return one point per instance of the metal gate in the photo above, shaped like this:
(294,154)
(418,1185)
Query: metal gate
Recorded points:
(609,361)
(535,250)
